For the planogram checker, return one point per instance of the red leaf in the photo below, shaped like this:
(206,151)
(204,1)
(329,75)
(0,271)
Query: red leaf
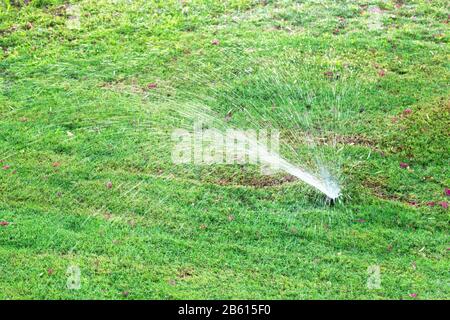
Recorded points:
(407,111)
(4,223)
(404,165)
(328,74)
(444,204)
(152,85)
(447,192)
(215,42)
(6,167)
(109,185)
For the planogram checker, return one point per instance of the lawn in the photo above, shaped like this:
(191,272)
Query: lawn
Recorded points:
(92,207)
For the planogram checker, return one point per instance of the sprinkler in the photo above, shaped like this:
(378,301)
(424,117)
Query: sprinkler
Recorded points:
(332,201)
(322,182)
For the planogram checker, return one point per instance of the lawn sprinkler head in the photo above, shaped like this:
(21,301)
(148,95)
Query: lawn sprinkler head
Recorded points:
(332,201)
(330,187)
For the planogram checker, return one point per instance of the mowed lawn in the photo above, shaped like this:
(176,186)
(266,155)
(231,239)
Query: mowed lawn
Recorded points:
(87,89)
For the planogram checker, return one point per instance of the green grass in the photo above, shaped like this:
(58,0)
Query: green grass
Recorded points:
(79,98)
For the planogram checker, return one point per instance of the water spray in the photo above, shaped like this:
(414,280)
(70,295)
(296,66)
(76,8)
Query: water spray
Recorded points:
(324,182)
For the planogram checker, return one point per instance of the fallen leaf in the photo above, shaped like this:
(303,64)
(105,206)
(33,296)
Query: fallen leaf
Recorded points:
(407,111)
(4,223)
(328,74)
(444,204)
(6,167)
(404,165)
(152,85)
